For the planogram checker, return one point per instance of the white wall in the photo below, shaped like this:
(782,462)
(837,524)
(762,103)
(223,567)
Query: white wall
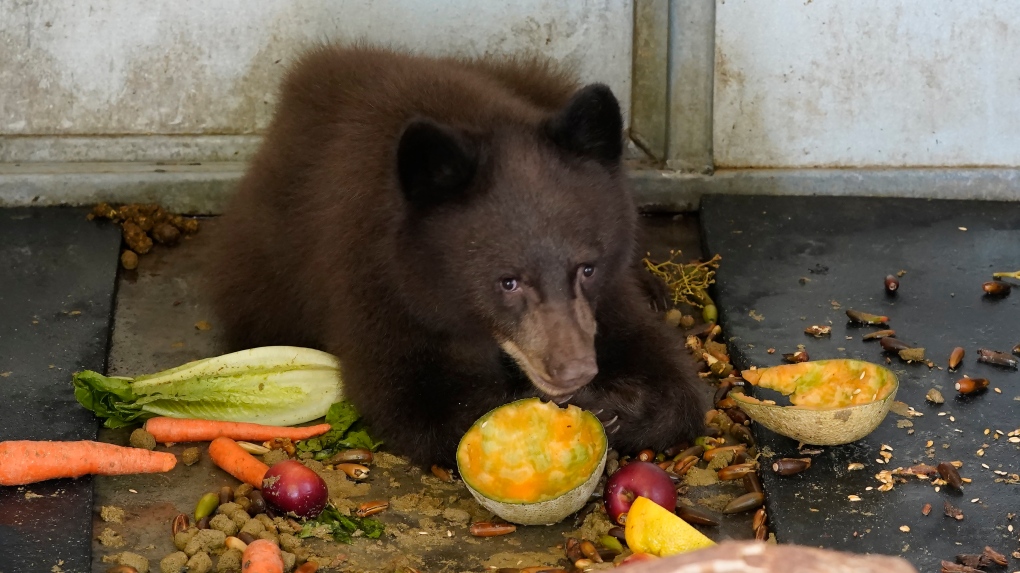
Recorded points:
(195,67)
(806,83)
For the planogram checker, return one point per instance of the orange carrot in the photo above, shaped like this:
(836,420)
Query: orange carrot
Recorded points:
(262,556)
(225,453)
(167,430)
(23,462)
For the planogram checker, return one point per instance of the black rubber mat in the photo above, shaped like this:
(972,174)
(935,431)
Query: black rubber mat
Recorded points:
(56,295)
(792,262)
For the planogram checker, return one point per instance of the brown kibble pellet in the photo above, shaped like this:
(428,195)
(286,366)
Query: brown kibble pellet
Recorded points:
(243,490)
(229,561)
(142,439)
(166,234)
(200,563)
(224,524)
(129,260)
(289,561)
(190,456)
(181,539)
(129,559)
(136,238)
(173,563)
(289,542)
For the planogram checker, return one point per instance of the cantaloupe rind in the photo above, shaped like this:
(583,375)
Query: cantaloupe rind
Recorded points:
(835,401)
(499,449)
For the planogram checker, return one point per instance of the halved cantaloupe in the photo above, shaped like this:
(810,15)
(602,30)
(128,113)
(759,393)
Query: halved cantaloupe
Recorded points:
(532,462)
(834,401)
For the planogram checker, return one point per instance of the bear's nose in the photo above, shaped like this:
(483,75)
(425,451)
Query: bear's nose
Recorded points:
(572,374)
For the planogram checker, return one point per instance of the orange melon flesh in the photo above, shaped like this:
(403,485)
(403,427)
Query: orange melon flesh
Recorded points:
(531,451)
(825,384)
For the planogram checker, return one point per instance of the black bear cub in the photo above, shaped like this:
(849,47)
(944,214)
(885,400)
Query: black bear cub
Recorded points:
(459,232)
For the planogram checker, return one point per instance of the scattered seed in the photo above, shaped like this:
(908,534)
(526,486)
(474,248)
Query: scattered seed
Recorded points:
(818,331)
(926,509)
(796,357)
(855,466)
(489,529)
(866,318)
(253,449)
(371,508)
(951,511)
(904,528)
(854,497)
(355,471)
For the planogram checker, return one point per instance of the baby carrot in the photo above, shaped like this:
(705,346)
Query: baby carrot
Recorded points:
(167,430)
(23,462)
(229,456)
(262,556)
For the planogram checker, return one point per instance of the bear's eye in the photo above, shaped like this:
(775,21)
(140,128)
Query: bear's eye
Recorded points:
(587,270)
(509,284)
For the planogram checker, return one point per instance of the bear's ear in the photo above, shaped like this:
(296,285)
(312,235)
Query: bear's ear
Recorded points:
(435,162)
(590,125)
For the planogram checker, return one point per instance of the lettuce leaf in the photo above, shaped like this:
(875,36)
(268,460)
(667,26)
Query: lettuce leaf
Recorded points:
(347,432)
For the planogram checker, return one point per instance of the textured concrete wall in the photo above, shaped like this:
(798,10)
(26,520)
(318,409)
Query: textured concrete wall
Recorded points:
(802,83)
(210,67)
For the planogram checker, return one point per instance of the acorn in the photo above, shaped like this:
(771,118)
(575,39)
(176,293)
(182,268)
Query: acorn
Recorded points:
(746,502)
(971,385)
(752,483)
(759,518)
(790,466)
(950,474)
(695,516)
(891,284)
(956,357)
(893,344)
(997,358)
(736,471)
(997,288)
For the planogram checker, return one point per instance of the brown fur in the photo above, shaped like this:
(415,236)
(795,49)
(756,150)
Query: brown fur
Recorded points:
(322,247)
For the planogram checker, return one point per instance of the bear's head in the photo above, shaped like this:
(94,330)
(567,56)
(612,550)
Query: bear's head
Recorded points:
(518,233)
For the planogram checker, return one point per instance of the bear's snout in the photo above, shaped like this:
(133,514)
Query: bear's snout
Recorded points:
(554,345)
(572,374)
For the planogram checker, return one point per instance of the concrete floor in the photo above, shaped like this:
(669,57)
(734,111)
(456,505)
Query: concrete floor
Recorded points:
(157,308)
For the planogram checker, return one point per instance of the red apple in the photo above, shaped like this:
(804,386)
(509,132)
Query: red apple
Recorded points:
(638,479)
(294,489)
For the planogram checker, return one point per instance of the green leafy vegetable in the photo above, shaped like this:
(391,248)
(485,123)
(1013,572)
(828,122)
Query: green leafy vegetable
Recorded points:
(274,385)
(340,527)
(347,432)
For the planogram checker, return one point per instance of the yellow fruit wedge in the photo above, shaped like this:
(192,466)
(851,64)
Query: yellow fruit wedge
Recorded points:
(650,528)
